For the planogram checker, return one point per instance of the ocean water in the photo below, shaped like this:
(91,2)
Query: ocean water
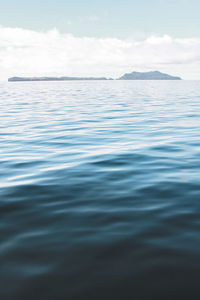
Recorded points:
(100,190)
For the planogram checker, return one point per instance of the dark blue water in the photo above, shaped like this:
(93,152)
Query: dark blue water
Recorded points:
(100,190)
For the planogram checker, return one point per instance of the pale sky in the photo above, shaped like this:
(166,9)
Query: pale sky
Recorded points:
(99,38)
(105,18)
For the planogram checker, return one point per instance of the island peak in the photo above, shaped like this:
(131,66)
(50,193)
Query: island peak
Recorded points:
(152,75)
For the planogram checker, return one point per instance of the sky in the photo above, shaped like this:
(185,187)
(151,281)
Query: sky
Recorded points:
(99,38)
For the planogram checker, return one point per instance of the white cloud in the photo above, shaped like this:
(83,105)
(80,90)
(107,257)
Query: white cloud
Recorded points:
(28,53)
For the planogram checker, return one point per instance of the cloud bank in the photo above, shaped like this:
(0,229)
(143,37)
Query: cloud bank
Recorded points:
(32,53)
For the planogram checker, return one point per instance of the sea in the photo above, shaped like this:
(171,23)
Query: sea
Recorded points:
(100,190)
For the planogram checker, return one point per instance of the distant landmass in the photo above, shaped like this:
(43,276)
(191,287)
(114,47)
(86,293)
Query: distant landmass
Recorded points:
(54,78)
(154,75)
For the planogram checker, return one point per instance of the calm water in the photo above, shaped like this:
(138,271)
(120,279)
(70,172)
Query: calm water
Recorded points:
(100,190)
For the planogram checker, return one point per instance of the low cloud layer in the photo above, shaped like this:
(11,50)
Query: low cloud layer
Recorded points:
(31,53)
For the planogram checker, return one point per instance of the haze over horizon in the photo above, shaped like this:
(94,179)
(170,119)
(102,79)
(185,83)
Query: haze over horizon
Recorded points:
(99,39)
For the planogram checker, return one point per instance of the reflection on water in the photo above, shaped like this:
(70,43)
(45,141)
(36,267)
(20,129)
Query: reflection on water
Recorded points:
(100,190)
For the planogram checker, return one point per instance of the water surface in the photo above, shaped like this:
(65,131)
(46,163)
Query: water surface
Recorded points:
(100,190)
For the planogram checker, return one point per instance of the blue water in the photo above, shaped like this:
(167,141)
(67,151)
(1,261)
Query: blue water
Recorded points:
(100,190)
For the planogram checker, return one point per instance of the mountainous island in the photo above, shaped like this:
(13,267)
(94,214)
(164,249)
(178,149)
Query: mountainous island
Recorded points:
(153,75)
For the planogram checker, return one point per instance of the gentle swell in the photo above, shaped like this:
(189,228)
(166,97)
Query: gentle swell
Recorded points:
(100,190)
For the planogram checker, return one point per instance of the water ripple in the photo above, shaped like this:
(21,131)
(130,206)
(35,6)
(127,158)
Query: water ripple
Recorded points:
(100,190)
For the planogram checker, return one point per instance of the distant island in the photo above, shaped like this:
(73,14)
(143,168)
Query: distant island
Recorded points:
(54,78)
(154,75)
